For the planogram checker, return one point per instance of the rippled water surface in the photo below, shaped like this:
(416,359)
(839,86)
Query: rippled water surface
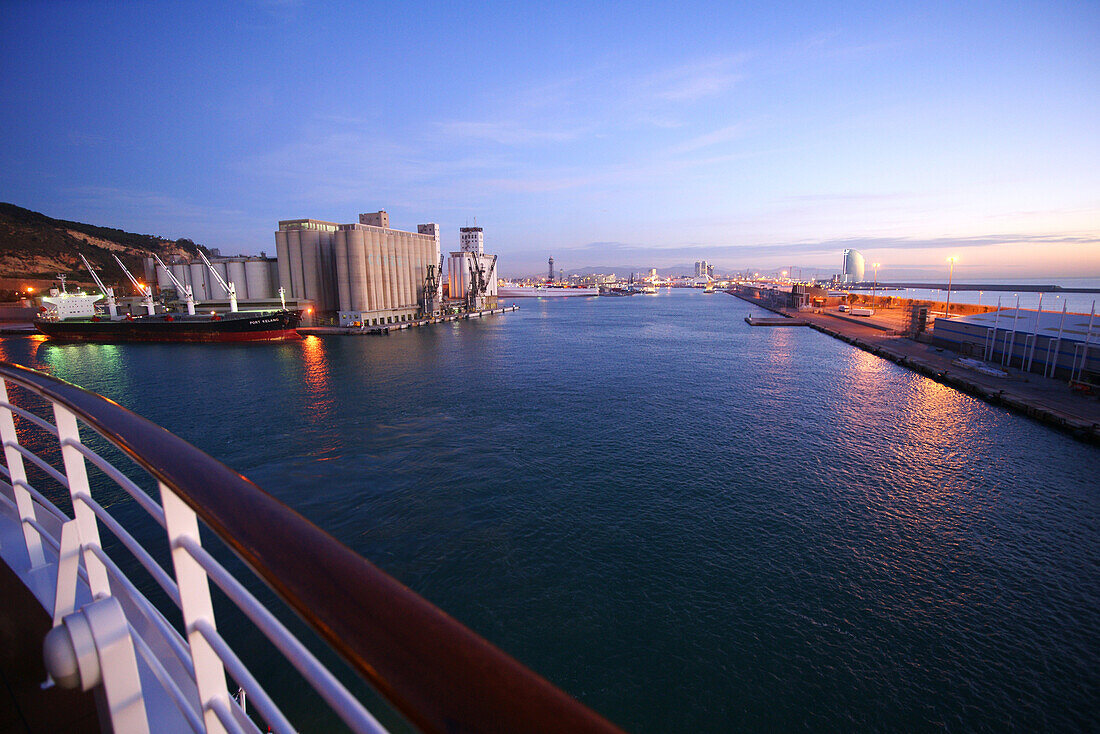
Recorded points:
(689,523)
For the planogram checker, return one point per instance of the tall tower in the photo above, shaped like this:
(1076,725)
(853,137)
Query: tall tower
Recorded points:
(551,268)
(472,239)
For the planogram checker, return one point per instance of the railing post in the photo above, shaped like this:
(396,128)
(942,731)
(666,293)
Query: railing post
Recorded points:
(76,472)
(181,522)
(18,473)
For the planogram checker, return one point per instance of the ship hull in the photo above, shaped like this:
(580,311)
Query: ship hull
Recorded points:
(539,292)
(239,327)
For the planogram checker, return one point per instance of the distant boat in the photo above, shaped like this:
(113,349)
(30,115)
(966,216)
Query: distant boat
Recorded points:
(513,290)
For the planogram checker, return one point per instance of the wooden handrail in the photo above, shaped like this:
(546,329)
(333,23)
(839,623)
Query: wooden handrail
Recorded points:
(431,668)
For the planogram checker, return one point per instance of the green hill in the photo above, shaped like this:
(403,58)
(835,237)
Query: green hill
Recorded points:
(34,247)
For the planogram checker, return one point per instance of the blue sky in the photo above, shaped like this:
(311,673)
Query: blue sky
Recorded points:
(631,134)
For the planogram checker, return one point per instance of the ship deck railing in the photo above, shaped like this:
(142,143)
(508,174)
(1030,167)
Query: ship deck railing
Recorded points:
(163,665)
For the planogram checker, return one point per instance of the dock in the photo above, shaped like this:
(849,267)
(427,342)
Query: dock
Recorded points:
(1046,400)
(387,328)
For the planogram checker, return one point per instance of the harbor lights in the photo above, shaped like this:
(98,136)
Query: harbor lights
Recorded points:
(874,287)
(951,274)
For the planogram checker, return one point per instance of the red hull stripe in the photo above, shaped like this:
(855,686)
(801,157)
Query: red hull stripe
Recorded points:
(212,336)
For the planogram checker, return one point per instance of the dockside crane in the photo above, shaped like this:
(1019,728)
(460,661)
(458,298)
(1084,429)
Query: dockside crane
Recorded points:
(186,290)
(109,293)
(432,286)
(146,291)
(479,284)
(229,288)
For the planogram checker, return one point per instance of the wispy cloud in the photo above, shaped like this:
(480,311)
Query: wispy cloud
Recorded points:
(692,82)
(509,132)
(722,135)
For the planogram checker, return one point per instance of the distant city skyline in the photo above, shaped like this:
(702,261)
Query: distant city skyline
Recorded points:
(755,135)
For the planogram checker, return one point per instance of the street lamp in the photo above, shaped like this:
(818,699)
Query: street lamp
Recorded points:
(950,275)
(874,288)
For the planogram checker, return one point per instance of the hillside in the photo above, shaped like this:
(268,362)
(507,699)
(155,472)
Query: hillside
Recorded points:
(34,248)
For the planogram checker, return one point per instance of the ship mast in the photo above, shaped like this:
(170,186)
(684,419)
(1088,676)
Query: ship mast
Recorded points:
(112,306)
(229,288)
(186,290)
(145,290)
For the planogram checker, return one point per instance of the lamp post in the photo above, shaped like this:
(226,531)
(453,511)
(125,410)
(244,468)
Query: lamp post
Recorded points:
(874,288)
(950,275)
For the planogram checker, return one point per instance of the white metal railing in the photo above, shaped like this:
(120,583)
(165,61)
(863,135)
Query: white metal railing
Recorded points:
(109,635)
(73,555)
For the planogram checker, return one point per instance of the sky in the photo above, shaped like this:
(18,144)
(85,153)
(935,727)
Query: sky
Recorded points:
(752,135)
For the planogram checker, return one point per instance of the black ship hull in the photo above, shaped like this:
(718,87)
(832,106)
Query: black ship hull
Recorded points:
(230,327)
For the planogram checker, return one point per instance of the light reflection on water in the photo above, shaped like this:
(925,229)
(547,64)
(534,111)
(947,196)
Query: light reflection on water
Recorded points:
(690,523)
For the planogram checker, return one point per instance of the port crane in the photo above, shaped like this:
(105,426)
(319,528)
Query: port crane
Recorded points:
(146,291)
(229,288)
(109,293)
(186,290)
(432,283)
(478,282)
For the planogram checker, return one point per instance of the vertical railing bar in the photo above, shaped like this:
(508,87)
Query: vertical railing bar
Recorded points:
(140,496)
(18,473)
(171,634)
(223,714)
(195,604)
(47,538)
(77,474)
(159,574)
(40,463)
(178,697)
(44,503)
(267,708)
(346,706)
(40,422)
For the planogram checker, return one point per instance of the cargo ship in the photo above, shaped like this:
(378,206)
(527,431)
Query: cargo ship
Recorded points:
(169,327)
(68,316)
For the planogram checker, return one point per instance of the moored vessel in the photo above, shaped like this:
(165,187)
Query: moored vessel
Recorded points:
(512,290)
(237,326)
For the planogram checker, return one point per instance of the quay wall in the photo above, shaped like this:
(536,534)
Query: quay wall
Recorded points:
(938,369)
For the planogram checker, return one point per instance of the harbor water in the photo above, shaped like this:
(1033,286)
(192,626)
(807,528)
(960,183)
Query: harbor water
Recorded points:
(690,524)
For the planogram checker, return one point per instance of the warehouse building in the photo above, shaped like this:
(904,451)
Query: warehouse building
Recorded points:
(367,273)
(1064,345)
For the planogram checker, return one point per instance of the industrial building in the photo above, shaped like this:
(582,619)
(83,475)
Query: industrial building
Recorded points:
(1065,345)
(471,274)
(255,278)
(854,266)
(365,272)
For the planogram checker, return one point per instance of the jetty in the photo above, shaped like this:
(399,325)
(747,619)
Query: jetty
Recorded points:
(387,328)
(1048,400)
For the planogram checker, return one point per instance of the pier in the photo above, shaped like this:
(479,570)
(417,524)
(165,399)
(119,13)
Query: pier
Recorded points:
(1044,399)
(387,328)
